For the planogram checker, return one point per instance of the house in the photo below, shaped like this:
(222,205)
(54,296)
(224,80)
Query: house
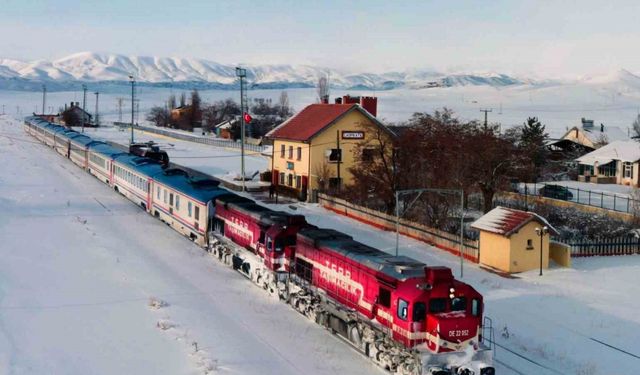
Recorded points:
(181,117)
(615,163)
(595,136)
(73,112)
(223,129)
(314,149)
(509,242)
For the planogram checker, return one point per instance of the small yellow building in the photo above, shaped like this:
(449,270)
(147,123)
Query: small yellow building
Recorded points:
(509,241)
(314,149)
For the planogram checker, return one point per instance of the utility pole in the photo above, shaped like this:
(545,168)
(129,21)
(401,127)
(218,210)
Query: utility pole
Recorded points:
(3,109)
(241,74)
(44,98)
(486,111)
(97,120)
(84,102)
(133,84)
(120,100)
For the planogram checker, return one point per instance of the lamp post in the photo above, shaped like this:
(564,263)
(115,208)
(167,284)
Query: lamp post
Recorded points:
(133,84)
(44,98)
(541,233)
(241,73)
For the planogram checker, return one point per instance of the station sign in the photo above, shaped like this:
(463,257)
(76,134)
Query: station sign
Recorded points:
(352,134)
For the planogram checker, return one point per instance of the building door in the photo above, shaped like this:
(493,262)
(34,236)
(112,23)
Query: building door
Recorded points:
(274,177)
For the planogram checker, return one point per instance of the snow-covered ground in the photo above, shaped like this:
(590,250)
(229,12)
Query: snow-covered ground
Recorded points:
(95,260)
(80,264)
(215,161)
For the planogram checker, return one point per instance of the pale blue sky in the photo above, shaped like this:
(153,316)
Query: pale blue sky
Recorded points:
(547,38)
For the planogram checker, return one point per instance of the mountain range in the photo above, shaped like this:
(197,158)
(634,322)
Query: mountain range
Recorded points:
(115,69)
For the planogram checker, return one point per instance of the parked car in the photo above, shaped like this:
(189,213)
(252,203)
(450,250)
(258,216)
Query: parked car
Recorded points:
(556,192)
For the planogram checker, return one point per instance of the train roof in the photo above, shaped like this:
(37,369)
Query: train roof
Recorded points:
(264,215)
(397,267)
(105,149)
(145,166)
(82,140)
(201,189)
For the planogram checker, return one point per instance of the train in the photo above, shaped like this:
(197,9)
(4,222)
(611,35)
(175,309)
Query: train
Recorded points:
(407,317)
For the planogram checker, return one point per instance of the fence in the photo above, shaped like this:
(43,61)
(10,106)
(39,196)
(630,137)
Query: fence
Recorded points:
(609,201)
(444,240)
(193,138)
(604,247)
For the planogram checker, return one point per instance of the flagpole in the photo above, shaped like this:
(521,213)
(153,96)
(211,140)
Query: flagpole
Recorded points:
(241,73)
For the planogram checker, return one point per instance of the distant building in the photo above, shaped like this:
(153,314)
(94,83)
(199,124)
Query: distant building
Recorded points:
(595,136)
(509,242)
(314,149)
(223,129)
(615,163)
(74,111)
(181,117)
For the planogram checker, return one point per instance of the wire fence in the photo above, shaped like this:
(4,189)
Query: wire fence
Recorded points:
(193,138)
(601,199)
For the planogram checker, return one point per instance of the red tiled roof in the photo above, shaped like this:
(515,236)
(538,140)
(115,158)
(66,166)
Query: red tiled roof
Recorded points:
(308,122)
(507,221)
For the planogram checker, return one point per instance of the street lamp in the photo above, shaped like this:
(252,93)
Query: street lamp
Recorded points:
(133,83)
(241,73)
(541,233)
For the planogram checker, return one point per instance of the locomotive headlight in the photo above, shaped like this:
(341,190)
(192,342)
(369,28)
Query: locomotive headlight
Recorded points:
(452,296)
(451,290)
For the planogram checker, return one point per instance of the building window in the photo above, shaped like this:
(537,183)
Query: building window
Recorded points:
(529,244)
(290,152)
(334,155)
(282,151)
(628,170)
(299,153)
(281,178)
(298,182)
(290,180)
(607,170)
(290,165)
(367,154)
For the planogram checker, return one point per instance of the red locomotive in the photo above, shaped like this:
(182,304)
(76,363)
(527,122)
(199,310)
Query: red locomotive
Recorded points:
(409,318)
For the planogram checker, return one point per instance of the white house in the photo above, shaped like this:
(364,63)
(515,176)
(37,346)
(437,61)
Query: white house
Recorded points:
(615,163)
(595,136)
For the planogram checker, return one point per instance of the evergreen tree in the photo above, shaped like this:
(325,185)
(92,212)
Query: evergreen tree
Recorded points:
(532,142)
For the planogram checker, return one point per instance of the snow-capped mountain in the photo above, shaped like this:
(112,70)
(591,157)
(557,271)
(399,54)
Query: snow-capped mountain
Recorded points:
(113,68)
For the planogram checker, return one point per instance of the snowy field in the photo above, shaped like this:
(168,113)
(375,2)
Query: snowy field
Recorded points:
(76,292)
(612,100)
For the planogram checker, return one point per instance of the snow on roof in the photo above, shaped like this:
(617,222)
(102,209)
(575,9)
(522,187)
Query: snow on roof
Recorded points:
(507,221)
(610,133)
(627,151)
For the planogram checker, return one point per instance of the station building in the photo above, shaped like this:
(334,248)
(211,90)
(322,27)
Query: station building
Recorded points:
(316,147)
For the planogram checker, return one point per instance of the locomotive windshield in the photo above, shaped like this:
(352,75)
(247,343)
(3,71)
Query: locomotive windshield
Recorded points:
(459,304)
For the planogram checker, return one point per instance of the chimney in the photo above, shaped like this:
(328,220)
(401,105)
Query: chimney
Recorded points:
(338,100)
(71,104)
(601,128)
(325,99)
(370,104)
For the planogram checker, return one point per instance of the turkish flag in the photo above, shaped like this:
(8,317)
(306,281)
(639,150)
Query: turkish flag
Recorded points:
(247,118)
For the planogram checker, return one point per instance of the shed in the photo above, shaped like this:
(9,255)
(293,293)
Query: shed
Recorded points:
(509,242)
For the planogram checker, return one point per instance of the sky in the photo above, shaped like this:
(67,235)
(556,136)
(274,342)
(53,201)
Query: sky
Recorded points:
(553,39)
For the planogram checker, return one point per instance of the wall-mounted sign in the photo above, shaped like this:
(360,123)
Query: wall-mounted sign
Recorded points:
(289,165)
(351,134)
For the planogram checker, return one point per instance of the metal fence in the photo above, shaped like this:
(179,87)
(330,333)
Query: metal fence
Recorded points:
(609,201)
(604,247)
(192,138)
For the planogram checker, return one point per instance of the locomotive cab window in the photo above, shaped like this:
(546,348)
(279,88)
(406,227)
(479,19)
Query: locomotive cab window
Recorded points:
(384,297)
(262,237)
(403,309)
(437,305)
(475,307)
(269,243)
(419,312)
(279,244)
(458,304)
